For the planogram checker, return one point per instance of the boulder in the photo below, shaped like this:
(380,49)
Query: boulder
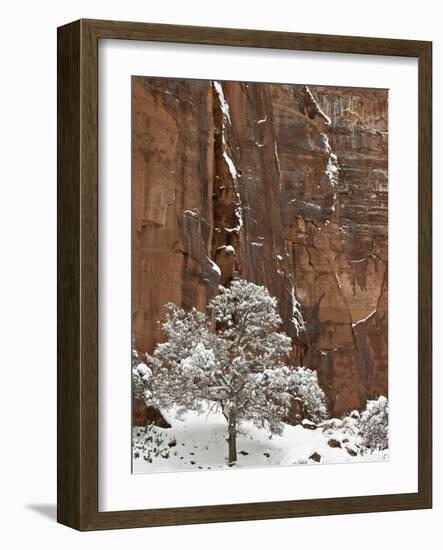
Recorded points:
(308,425)
(334,443)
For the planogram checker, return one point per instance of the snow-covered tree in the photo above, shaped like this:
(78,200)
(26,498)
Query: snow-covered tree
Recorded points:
(138,373)
(235,358)
(373,424)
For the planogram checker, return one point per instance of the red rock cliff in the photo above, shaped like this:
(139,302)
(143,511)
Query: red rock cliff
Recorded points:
(283,185)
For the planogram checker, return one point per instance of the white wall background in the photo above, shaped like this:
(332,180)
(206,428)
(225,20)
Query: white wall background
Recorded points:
(28,274)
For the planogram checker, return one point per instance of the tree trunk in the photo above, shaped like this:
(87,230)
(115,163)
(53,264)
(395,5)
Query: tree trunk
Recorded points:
(232,440)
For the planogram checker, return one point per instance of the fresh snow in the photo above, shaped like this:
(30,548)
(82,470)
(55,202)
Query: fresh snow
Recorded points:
(198,441)
(234,380)
(240,367)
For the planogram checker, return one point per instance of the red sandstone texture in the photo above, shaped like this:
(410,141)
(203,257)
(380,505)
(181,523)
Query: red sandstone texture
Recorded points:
(283,185)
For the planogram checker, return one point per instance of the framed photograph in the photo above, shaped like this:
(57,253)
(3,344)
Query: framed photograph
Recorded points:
(244,275)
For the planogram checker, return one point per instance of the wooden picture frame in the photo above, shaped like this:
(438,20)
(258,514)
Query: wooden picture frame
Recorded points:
(78,275)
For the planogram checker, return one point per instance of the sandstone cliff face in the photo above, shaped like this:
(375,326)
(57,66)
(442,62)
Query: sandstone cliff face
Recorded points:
(283,185)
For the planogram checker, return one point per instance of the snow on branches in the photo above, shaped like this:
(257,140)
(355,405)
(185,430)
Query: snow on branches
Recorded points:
(373,424)
(239,365)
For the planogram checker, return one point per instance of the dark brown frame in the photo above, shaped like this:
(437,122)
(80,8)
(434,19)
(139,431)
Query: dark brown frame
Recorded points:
(77,456)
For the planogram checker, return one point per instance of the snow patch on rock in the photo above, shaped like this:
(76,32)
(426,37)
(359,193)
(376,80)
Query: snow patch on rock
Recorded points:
(360,321)
(320,112)
(214,266)
(227,248)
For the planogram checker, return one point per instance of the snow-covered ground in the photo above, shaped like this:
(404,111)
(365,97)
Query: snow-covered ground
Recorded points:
(198,441)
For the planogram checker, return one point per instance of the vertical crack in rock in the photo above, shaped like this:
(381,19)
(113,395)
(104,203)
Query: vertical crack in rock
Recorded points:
(358,134)
(360,372)
(247,178)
